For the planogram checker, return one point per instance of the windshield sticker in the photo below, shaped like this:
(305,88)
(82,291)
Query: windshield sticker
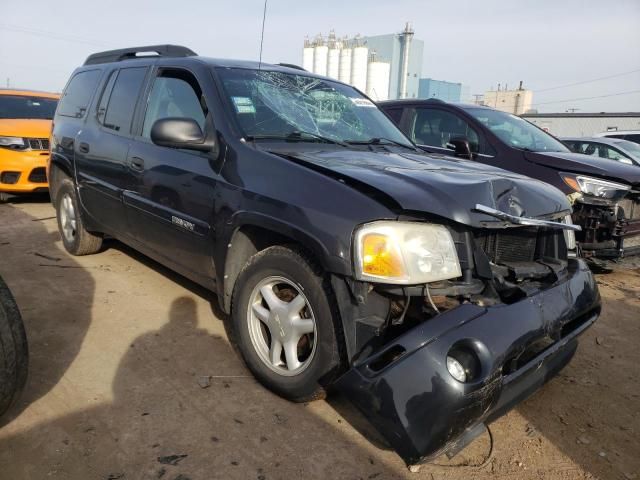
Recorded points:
(362,102)
(244,105)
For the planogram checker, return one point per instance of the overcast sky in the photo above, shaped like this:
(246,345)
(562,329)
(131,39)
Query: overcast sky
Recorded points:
(545,43)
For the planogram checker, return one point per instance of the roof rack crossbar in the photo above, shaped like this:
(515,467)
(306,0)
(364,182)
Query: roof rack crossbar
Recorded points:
(133,52)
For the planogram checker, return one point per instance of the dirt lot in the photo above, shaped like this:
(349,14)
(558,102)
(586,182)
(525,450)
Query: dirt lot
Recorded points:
(119,345)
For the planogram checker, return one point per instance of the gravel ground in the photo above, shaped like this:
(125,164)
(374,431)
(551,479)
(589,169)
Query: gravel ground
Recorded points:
(121,349)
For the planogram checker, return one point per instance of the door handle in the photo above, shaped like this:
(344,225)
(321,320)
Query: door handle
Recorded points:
(83,147)
(137,164)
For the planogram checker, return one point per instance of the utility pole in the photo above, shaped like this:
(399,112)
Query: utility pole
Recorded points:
(8,82)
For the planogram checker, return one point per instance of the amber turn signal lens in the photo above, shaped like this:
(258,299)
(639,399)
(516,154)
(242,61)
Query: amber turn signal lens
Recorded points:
(380,257)
(572,182)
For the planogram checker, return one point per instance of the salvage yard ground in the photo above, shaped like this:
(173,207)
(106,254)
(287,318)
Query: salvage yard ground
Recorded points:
(133,376)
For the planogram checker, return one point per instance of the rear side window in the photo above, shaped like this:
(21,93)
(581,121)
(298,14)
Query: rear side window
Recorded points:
(437,127)
(395,114)
(77,95)
(634,137)
(123,97)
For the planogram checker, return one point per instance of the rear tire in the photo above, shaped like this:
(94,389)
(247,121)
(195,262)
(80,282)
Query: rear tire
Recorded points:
(286,323)
(75,238)
(14,354)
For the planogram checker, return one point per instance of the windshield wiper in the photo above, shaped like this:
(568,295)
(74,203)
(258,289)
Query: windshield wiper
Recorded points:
(380,141)
(296,135)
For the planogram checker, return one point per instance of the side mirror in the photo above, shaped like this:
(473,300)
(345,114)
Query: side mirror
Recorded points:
(179,132)
(461,146)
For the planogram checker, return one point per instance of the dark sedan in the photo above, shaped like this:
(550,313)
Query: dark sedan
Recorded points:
(605,195)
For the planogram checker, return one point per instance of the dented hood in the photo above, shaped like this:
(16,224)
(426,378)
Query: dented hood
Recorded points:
(587,165)
(438,185)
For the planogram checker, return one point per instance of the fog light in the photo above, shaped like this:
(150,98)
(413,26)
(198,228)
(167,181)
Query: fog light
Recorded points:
(456,369)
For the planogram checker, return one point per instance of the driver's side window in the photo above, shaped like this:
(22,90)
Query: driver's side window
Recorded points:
(175,93)
(437,128)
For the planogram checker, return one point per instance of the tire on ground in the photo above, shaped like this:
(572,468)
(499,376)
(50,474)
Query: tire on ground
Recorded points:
(14,355)
(295,266)
(82,242)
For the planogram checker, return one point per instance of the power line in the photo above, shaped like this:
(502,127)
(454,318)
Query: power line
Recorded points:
(513,104)
(588,81)
(590,98)
(53,35)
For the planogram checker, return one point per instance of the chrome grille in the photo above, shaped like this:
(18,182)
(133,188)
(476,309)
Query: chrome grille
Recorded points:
(37,143)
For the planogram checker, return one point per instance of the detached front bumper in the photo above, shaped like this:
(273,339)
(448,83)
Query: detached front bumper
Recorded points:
(407,393)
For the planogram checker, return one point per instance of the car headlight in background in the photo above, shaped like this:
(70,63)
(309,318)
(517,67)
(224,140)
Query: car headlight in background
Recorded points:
(405,253)
(595,187)
(16,143)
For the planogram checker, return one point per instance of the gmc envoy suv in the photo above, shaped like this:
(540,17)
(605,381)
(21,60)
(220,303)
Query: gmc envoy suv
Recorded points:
(434,292)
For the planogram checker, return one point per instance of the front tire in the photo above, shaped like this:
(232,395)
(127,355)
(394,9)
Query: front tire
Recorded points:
(286,323)
(14,355)
(75,238)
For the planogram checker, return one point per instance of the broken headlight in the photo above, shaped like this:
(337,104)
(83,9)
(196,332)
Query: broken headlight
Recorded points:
(595,187)
(405,253)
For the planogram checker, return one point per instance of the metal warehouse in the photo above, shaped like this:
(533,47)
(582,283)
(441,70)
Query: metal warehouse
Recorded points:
(584,124)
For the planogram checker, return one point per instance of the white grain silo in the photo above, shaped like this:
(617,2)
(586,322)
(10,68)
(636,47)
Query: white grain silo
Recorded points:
(345,65)
(307,58)
(320,57)
(333,68)
(359,63)
(378,80)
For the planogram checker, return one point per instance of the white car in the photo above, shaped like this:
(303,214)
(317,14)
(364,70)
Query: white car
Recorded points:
(631,135)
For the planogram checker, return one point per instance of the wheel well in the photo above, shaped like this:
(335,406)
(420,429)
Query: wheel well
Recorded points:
(54,179)
(246,242)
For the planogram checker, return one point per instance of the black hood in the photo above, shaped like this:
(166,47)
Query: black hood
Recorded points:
(438,185)
(588,165)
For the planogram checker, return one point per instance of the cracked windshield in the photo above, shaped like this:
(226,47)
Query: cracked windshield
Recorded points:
(276,105)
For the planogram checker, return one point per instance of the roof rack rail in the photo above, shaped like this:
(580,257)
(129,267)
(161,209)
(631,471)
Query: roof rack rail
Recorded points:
(133,52)
(291,65)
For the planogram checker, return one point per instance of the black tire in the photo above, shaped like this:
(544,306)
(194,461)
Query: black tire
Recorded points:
(325,364)
(81,241)
(14,354)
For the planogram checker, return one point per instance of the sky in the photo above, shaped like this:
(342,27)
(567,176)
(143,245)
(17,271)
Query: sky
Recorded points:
(547,44)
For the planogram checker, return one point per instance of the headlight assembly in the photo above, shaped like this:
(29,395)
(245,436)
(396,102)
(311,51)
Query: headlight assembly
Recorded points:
(595,187)
(16,143)
(405,253)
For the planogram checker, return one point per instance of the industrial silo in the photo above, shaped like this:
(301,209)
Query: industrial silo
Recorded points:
(333,68)
(345,65)
(320,58)
(378,80)
(359,62)
(307,58)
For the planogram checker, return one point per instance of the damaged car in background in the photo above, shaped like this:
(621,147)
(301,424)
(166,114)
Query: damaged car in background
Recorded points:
(435,293)
(605,195)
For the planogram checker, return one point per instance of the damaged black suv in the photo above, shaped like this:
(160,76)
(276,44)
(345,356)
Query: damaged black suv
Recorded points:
(435,293)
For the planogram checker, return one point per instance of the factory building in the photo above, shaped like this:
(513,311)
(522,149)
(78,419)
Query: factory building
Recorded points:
(445,91)
(383,66)
(579,124)
(516,101)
